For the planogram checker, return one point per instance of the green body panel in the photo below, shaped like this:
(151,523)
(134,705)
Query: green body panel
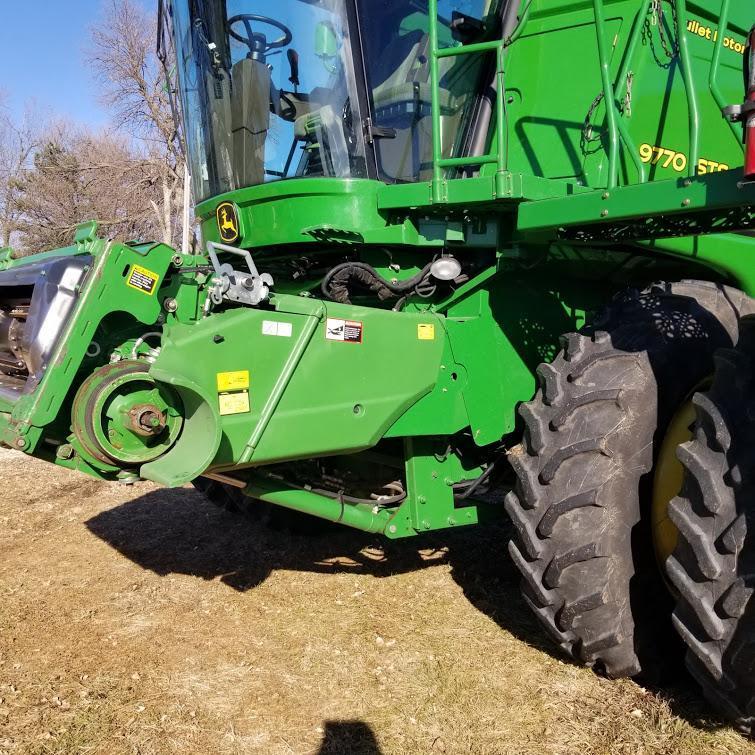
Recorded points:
(496,376)
(351,215)
(731,254)
(103,295)
(604,169)
(553,78)
(339,398)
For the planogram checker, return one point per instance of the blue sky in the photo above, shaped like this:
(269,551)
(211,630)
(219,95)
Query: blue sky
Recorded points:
(42,46)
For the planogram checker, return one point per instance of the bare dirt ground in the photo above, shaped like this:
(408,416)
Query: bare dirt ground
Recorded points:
(143,621)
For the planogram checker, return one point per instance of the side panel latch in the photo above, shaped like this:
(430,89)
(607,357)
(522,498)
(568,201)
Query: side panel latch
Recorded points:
(250,288)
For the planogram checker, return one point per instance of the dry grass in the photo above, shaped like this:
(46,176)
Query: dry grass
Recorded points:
(134,620)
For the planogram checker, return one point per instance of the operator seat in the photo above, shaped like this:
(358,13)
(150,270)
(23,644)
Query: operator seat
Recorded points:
(240,115)
(320,127)
(219,143)
(250,122)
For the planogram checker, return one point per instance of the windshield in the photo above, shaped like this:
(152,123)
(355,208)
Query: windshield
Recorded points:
(268,92)
(269,89)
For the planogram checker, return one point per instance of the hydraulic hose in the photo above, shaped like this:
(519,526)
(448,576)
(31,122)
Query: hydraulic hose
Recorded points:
(477,139)
(335,285)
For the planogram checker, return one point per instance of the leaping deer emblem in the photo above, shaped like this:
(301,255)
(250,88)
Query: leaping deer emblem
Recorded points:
(227,223)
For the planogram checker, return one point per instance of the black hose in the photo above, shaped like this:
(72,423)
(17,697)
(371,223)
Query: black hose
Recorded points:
(384,501)
(335,285)
(476,139)
(468,490)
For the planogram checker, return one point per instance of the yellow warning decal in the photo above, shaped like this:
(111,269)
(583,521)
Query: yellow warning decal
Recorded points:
(234,403)
(426,332)
(142,279)
(233,381)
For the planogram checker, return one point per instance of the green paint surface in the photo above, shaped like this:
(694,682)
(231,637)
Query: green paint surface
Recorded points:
(588,185)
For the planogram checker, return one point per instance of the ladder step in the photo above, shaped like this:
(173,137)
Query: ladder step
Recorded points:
(452,52)
(460,162)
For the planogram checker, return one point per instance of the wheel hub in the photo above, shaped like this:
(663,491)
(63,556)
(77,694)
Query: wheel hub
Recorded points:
(147,420)
(668,479)
(122,416)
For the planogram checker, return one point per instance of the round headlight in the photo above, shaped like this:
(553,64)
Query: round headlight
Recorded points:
(446,269)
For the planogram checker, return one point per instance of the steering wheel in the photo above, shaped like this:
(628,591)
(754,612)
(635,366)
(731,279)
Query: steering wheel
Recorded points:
(257,43)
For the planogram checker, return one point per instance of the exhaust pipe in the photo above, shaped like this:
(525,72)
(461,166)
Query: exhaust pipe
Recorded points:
(749,116)
(745,113)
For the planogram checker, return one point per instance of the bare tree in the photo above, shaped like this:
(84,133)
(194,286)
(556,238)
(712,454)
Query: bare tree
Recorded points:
(18,142)
(77,176)
(125,61)
(130,180)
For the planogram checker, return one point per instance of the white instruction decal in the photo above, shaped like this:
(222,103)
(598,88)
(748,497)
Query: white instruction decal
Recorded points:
(346,331)
(272,328)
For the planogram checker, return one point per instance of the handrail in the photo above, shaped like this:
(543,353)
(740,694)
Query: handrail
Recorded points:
(500,121)
(436,54)
(437,188)
(689,85)
(520,26)
(621,79)
(461,162)
(634,39)
(609,97)
(452,52)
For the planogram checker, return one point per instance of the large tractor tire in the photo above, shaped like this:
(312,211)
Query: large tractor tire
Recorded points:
(581,504)
(713,566)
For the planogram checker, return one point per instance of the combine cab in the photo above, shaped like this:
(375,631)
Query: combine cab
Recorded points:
(449,247)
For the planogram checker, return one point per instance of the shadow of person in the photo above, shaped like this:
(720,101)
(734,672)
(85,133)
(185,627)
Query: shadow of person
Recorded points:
(348,738)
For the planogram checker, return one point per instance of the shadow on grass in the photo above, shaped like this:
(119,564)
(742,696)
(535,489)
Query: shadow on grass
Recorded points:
(179,532)
(353,737)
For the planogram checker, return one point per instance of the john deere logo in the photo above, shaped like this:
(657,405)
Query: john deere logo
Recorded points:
(228,222)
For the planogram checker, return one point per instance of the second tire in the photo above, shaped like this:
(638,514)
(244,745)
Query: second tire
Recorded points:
(584,469)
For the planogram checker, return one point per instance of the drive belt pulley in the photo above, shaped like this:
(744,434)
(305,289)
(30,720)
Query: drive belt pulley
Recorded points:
(122,416)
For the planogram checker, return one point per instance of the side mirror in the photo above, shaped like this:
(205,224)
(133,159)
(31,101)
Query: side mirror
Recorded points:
(326,40)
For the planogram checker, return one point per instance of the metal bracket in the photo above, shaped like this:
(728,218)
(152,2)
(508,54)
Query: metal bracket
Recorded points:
(736,113)
(373,132)
(250,288)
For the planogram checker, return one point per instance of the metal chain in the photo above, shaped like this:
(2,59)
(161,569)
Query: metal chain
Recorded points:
(628,95)
(670,48)
(587,129)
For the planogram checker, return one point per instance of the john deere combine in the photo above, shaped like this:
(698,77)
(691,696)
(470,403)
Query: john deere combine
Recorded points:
(417,215)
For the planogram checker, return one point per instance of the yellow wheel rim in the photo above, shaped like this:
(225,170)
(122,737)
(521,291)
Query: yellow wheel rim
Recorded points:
(669,476)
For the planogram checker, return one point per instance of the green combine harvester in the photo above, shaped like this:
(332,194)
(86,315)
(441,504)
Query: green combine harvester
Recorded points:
(450,248)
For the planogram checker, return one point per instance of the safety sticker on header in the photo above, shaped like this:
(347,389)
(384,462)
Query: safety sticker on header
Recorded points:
(142,279)
(426,331)
(233,381)
(346,331)
(234,403)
